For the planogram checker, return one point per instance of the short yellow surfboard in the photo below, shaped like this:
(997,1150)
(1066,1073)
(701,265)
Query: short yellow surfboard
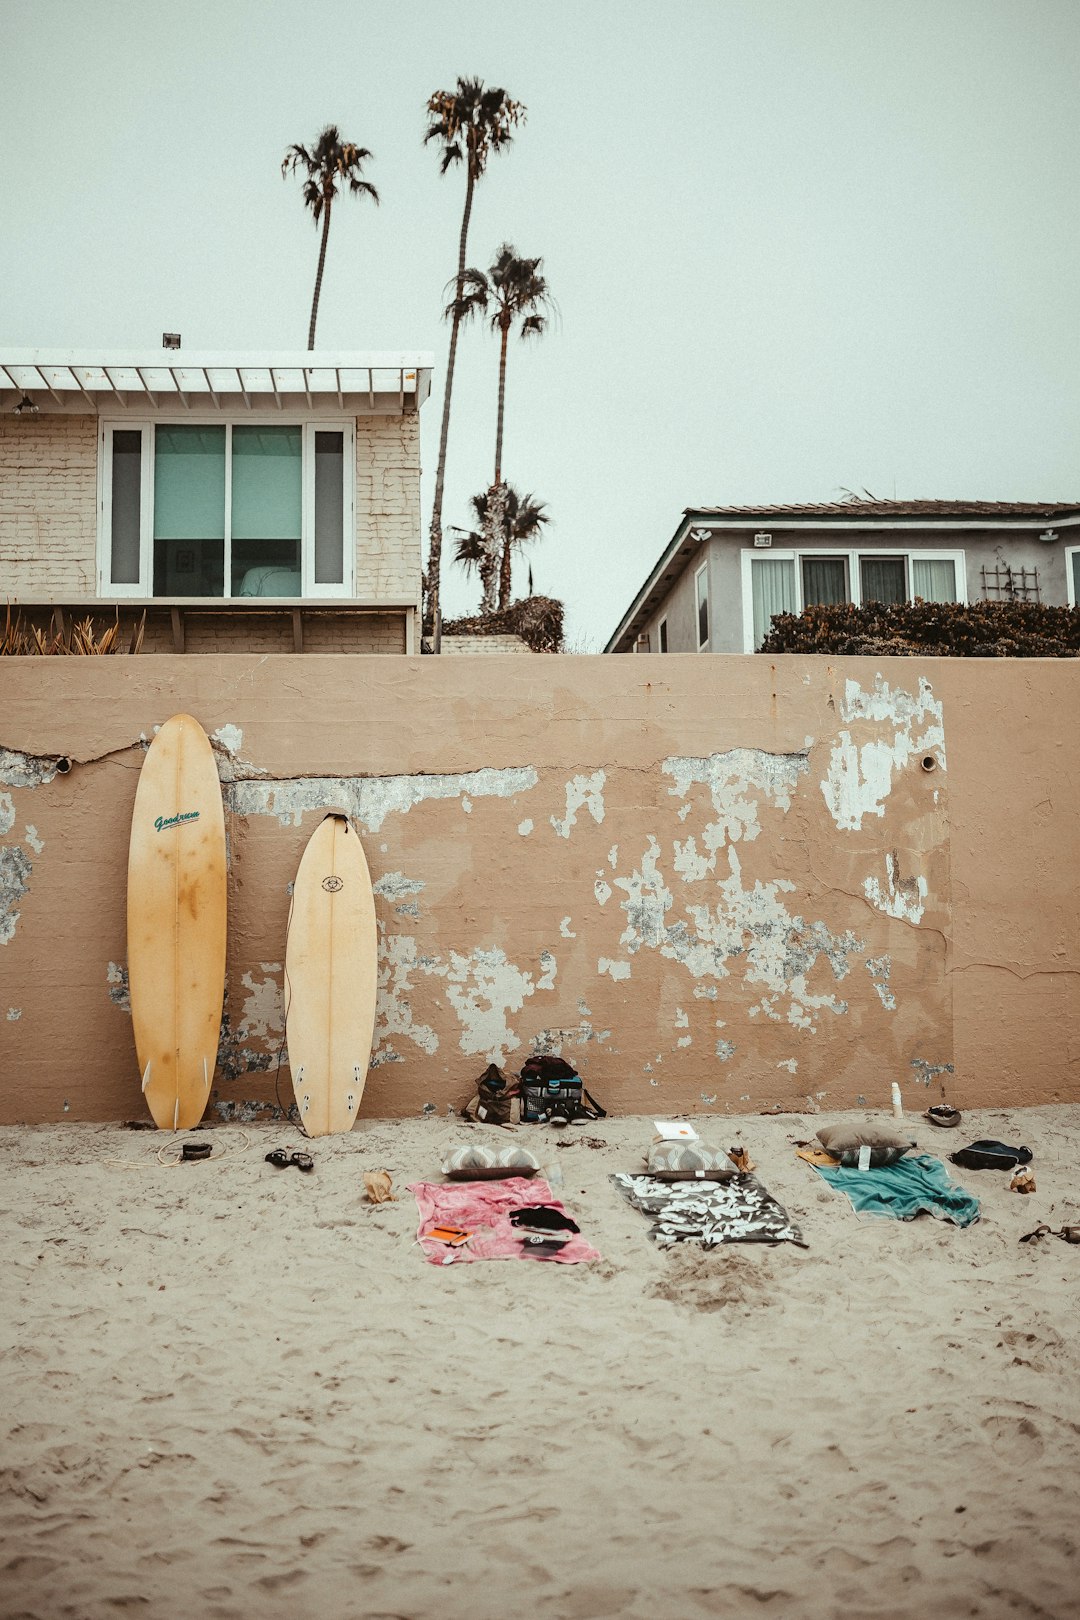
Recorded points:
(176,901)
(331,967)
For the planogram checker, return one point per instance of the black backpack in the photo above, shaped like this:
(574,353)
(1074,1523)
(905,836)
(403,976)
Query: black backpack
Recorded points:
(552,1093)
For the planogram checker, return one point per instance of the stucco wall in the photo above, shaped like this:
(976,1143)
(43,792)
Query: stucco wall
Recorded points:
(48,506)
(715,884)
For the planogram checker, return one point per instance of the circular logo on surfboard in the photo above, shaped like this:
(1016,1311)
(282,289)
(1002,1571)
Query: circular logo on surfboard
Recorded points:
(333,884)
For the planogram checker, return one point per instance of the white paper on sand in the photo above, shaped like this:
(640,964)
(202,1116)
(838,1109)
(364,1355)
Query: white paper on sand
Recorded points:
(674,1130)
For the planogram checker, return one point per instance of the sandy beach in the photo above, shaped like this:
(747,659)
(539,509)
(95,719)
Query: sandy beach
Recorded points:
(231,1391)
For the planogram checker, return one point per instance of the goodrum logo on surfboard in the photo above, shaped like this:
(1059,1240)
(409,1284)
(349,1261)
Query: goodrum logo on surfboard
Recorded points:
(178,820)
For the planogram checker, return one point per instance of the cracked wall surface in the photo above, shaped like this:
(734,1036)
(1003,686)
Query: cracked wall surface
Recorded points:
(714,884)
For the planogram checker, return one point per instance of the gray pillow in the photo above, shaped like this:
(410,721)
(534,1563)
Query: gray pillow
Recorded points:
(476,1161)
(844,1140)
(683,1156)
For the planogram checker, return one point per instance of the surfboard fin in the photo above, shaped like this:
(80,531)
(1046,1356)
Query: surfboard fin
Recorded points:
(146,1077)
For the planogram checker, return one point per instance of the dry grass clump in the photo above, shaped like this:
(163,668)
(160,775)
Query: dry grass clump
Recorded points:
(81,639)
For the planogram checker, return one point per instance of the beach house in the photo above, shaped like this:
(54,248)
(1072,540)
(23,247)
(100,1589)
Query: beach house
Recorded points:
(728,569)
(242,502)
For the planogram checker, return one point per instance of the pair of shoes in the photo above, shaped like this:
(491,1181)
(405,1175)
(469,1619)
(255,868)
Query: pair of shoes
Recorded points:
(280,1159)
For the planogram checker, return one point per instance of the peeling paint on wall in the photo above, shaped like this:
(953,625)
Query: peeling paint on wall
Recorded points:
(14,1014)
(525,828)
(262,1017)
(37,843)
(116,977)
(900,897)
(15,870)
(615,970)
(399,960)
(927,1073)
(860,775)
(21,770)
(7,813)
(565,930)
(879,969)
(582,793)
(368,800)
(485,987)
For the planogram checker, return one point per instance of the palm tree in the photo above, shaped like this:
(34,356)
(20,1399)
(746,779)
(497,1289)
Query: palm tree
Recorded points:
(513,290)
(470,123)
(523,518)
(330,161)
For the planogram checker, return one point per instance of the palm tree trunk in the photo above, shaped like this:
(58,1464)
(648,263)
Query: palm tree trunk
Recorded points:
(494,541)
(505,566)
(502,405)
(319,275)
(435,537)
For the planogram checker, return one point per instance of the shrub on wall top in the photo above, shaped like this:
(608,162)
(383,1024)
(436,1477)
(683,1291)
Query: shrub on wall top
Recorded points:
(538,620)
(929,630)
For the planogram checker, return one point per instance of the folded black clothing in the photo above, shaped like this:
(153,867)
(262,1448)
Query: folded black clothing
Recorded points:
(542,1218)
(989,1155)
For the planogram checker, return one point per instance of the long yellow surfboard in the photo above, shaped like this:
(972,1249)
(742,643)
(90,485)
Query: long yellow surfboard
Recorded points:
(331,965)
(176,922)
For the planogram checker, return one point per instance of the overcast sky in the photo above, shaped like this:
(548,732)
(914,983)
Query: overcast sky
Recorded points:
(798,246)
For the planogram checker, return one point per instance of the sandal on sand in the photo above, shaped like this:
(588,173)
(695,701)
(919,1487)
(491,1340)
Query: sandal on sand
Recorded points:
(278,1158)
(302,1161)
(1070,1234)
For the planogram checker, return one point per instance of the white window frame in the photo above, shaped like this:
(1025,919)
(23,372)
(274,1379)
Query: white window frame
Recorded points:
(795,556)
(662,635)
(702,646)
(1070,587)
(309,427)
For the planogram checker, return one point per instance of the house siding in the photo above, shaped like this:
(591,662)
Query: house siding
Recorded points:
(48,506)
(988,548)
(49,495)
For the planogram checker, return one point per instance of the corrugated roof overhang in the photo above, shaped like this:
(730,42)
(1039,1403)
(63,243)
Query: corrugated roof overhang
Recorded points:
(92,380)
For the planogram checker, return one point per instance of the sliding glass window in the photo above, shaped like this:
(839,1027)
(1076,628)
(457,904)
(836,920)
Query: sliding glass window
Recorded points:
(189,511)
(267,511)
(226,509)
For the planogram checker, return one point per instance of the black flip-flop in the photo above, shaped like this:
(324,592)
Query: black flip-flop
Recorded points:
(278,1158)
(302,1161)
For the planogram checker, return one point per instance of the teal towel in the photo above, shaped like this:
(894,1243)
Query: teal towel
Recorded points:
(903,1190)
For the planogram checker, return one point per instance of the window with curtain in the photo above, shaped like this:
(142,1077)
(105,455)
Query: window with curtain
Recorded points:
(824,579)
(883,579)
(772,582)
(933,578)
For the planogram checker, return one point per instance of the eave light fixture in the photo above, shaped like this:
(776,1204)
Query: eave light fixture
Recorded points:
(26,407)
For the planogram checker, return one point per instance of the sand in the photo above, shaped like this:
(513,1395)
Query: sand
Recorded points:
(231,1391)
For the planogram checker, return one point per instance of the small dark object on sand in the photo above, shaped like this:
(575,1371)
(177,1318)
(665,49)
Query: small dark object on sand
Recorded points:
(195,1150)
(941,1114)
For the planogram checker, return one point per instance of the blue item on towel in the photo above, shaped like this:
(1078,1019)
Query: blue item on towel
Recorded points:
(903,1190)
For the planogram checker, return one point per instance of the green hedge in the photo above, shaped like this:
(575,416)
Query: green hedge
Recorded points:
(929,629)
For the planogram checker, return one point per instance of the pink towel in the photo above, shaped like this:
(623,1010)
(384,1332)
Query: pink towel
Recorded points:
(483,1208)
